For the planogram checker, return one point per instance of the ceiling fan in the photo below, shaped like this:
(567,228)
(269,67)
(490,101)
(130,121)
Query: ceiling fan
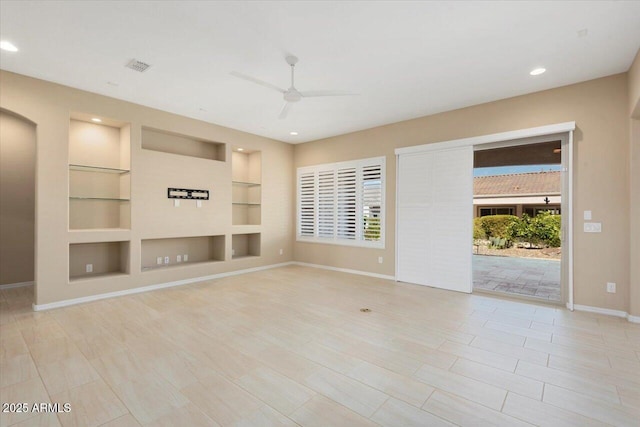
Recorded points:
(291,95)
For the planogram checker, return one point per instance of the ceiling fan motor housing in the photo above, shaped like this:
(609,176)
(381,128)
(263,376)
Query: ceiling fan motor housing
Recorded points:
(292,95)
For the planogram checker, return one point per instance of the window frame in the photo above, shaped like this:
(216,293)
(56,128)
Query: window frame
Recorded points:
(359,241)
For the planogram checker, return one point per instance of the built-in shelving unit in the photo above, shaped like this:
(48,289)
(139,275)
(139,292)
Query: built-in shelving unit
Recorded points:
(181,251)
(99,174)
(173,143)
(245,245)
(246,169)
(94,260)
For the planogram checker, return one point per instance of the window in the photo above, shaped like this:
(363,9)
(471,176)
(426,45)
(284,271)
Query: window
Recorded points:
(497,211)
(534,211)
(342,203)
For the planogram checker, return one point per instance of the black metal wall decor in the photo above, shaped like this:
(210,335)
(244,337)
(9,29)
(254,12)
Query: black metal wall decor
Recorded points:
(186,193)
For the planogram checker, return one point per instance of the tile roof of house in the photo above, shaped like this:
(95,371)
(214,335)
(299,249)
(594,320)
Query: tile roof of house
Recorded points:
(521,183)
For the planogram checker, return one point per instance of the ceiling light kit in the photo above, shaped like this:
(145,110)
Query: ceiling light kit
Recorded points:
(8,46)
(537,71)
(292,94)
(293,133)
(97,120)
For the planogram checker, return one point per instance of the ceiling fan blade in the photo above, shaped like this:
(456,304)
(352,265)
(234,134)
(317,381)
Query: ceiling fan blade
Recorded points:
(314,93)
(285,110)
(257,81)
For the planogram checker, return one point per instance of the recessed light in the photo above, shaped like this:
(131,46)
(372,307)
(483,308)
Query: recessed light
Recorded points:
(537,71)
(8,46)
(293,133)
(97,120)
(240,149)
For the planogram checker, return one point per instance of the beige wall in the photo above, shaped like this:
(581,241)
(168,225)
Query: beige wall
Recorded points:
(634,86)
(17,198)
(599,108)
(50,107)
(634,255)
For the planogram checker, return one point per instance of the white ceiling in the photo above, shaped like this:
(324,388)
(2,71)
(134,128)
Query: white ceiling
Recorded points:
(405,59)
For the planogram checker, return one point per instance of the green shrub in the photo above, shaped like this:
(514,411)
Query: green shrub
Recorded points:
(478,231)
(520,231)
(503,230)
(499,226)
(545,228)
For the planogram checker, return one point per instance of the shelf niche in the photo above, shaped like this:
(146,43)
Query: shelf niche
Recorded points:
(198,249)
(99,175)
(246,196)
(106,258)
(173,143)
(245,245)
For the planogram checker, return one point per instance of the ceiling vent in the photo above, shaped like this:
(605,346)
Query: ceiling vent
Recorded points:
(139,66)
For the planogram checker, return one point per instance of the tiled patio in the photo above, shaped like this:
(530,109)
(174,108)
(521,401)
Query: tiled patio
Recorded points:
(533,277)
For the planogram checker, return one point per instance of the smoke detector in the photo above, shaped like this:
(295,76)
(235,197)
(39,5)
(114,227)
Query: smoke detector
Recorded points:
(139,66)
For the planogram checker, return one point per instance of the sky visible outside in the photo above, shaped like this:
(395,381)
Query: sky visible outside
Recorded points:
(505,170)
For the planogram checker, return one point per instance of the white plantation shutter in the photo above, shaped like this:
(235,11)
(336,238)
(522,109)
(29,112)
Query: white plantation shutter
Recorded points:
(346,203)
(342,203)
(434,228)
(307,204)
(371,201)
(326,203)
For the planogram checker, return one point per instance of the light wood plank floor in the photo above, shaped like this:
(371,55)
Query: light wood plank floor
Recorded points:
(290,346)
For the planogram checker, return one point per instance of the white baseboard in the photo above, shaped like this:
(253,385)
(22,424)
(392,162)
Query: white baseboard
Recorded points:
(344,270)
(73,301)
(607,312)
(16,285)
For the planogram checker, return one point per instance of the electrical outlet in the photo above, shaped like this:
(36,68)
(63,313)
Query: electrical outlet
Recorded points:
(179,258)
(281,251)
(159,260)
(185,257)
(611,287)
(593,227)
(380,259)
(166,260)
(89,268)
(587,215)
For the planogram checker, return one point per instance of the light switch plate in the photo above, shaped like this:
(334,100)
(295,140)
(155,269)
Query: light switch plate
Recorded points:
(179,258)
(593,227)
(176,203)
(159,260)
(199,203)
(185,257)
(89,268)
(587,215)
